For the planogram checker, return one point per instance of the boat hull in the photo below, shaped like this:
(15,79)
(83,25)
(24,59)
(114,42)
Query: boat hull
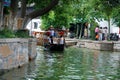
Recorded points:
(56,47)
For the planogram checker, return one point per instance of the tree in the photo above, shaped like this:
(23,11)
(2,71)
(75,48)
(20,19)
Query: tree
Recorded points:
(62,15)
(67,12)
(1,11)
(82,15)
(37,12)
(116,17)
(107,7)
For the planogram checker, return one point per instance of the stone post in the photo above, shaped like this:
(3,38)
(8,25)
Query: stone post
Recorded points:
(32,48)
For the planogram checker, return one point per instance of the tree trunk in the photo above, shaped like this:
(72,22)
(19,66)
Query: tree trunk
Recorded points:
(1,13)
(108,28)
(77,30)
(40,12)
(81,30)
(13,14)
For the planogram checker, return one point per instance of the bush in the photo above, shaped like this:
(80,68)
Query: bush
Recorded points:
(22,33)
(6,33)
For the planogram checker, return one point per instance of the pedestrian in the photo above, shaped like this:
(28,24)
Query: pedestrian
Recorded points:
(97,37)
(96,32)
(100,33)
(85,33)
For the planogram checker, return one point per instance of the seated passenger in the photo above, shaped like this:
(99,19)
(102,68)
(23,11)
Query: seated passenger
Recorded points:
(61,40)
(51,40)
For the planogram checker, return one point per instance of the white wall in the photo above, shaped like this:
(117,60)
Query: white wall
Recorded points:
(34,26)
(113,28)
(30,26)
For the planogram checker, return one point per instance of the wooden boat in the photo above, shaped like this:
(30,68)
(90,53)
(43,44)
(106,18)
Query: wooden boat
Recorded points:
(56,47)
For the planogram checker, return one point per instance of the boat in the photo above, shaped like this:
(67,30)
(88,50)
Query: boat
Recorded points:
(52,43)
(56,47)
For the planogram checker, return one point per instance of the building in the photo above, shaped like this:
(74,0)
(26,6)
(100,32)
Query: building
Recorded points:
(34,26)
(113,28)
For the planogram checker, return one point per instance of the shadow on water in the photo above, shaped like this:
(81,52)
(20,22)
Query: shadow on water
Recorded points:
(72,64)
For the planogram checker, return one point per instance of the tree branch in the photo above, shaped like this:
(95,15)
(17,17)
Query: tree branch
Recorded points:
(37,13)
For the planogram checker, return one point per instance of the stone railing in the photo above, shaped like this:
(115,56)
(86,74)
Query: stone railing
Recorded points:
(15,52)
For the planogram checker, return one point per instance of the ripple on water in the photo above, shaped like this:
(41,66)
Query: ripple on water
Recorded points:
(74,77)
(74,64)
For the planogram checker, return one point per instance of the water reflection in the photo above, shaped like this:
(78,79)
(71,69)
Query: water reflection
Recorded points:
(72,64)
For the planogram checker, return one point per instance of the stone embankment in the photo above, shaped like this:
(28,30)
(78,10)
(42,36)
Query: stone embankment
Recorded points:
(99,45)
(16,52)
(70,42)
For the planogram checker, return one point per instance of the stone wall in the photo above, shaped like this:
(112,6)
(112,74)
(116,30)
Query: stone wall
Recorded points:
(92,45)
(116,46)
(99,45)
(16,52)
(107,46)
(81,44)
(32,48)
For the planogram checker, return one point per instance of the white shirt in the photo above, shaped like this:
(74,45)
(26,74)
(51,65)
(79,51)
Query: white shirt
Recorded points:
(62,40)
(52,32)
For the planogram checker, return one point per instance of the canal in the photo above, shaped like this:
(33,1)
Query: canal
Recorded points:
(72,64)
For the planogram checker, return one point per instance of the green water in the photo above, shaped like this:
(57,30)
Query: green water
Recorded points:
(72,64)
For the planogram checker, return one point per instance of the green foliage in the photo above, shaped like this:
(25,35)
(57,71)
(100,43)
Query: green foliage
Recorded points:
(6,10)
(39,4)
(59,16)
(69,11)
(22,34)
(75,11)
(106,8)
(92,30)
(48,20)
(116,17)
(6,33)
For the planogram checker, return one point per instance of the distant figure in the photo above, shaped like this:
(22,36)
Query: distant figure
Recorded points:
(85,33)
(100,34)
(96,29)
(97,37)
(106,33)
(96,33)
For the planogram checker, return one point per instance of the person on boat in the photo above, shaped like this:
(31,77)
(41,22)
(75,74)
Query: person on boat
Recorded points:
(46,39)
(52,32)
(50,40)
(61,42)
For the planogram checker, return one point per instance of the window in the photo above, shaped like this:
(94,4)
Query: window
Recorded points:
(35,25)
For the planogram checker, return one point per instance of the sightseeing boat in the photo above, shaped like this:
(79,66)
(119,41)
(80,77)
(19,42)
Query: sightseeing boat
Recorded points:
(56,47)
(54,43)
